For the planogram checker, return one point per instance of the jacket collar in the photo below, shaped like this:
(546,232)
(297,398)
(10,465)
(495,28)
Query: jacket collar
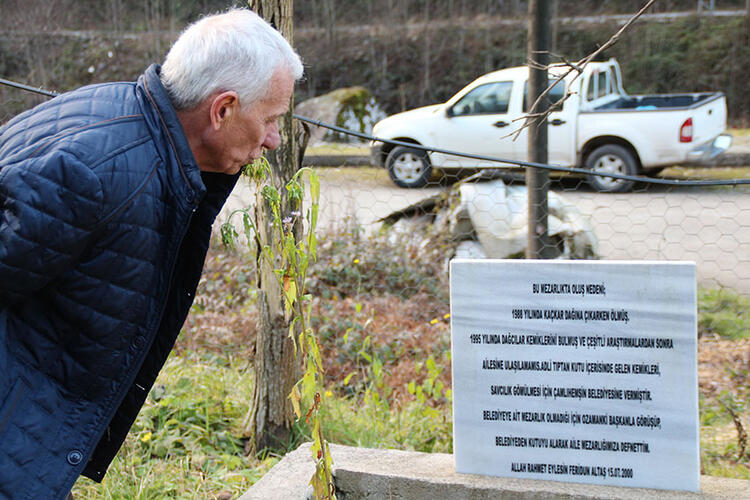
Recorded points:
(170,124)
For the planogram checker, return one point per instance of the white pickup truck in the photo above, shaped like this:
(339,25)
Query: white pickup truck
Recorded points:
(598,127)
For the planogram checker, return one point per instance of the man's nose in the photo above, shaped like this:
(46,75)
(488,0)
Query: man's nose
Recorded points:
(273,139)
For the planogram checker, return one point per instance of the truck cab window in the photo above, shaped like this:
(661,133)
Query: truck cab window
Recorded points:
(490,98)
(602,85)
(591,92)
(557,93)
(614,83)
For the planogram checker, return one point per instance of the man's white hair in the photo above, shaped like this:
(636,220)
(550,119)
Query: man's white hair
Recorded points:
(236,50)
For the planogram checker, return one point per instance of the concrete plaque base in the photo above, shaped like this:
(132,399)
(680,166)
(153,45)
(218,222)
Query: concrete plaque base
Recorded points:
(362,473)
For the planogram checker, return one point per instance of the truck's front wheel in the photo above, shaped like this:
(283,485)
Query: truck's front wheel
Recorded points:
(409,168)
(611,159)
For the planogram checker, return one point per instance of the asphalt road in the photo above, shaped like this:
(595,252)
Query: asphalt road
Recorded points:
(710,226)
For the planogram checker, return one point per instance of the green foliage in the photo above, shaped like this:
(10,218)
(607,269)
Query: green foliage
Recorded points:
(724,437)
(375,417)
(352,264)
(228,235)
(356,347)
(376,395)
(403,68)
(290,254)
(681,55)
(724,313)
(372,419)
(175,422)
(257,171)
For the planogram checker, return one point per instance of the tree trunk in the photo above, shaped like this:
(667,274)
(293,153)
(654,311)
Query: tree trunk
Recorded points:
(426,51)
(329,10)
(488,44)
(271,416)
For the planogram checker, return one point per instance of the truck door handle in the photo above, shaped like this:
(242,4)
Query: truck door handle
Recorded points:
(557,121)
(500,124)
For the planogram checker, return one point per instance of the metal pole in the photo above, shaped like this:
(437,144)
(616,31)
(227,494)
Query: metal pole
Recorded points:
(537,180)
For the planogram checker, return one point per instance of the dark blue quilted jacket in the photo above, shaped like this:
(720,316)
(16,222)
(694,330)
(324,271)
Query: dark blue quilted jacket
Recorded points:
(105,221)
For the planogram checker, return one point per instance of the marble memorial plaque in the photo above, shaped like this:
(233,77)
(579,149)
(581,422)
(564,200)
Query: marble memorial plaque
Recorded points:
(580,371)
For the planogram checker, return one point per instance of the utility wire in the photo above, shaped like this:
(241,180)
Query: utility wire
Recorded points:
(572,170)
(651,180)
(26,87)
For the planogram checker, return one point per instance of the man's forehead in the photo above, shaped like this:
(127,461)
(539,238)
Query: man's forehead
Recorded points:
(280,91)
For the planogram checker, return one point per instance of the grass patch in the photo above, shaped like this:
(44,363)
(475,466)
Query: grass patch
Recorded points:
(723,450)
(344,175)
(377,417)
(706,173)
(336,148)
(724,313)
(186,440)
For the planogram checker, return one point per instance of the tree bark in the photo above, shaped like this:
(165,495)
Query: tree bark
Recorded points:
(269,422)
(426,51)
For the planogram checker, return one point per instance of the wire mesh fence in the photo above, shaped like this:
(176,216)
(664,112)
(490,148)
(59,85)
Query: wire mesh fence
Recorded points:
(479,209)
(685,213)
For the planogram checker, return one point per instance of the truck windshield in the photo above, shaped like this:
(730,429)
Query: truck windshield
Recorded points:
(490,98)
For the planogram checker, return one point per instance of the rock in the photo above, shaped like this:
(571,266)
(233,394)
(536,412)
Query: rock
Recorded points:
(498,214)
(409,230)
(353,108)
(488,220)
(455,220)
(470,250)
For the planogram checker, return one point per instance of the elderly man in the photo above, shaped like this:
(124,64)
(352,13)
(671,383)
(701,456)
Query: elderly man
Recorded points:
(107,197)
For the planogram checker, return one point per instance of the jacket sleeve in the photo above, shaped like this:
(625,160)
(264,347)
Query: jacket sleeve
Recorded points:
(48,207)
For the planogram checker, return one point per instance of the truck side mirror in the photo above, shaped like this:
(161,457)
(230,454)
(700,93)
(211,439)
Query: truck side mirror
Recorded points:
(449,112)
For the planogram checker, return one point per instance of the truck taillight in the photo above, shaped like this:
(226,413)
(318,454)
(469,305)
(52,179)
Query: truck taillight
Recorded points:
(686,131)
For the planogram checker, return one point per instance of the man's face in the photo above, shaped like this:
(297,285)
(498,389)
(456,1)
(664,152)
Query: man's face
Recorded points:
(246,132)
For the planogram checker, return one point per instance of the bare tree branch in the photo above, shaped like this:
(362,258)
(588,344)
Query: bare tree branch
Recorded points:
(531,118)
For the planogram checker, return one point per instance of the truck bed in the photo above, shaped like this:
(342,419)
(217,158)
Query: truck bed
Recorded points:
(659,101)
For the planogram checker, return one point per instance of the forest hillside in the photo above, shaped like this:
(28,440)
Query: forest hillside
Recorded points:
(407,52)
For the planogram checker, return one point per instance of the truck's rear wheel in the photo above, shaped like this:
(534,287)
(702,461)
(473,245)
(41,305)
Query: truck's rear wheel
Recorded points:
(409,168)
(611,159)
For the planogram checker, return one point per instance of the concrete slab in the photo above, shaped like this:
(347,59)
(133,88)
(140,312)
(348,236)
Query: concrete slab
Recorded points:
(362,473)
(287,480)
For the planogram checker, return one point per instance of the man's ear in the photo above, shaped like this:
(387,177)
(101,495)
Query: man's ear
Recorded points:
(223,108)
